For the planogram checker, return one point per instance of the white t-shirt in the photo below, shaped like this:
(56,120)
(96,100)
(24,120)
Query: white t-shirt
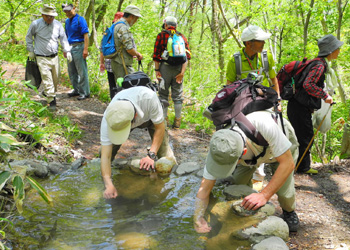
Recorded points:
(272,133)
(147,107)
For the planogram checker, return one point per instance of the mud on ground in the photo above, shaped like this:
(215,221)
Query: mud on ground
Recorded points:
(323,200)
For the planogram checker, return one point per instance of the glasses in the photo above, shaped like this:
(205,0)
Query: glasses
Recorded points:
(47,16)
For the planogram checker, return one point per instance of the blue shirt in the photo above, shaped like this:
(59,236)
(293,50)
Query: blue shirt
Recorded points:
(76,27)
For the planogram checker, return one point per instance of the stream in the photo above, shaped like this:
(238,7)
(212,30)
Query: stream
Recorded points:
(147,214)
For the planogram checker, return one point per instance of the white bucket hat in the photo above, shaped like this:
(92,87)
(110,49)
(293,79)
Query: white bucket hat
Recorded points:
(48,10)
(119,115)
(170,20)
(253,32)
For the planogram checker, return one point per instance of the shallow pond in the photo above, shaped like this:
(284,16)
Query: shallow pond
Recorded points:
(147,214)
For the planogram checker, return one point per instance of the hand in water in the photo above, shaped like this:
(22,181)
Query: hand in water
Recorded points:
(201,226)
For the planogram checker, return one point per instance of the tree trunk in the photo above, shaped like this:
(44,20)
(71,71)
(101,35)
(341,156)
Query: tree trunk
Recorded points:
(202,26)
(217,32)
(306,25)
(119,9)
(163,6)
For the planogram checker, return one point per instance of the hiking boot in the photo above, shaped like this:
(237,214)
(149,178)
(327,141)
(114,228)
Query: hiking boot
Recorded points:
(52,105)
(292,220)
(311,171)
(177,123)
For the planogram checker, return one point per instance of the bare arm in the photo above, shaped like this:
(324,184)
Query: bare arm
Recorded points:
(156,66)
(180,76)
(106,172)
(133,52)
(86,45)
(285,168)
(158,136)
(201,204)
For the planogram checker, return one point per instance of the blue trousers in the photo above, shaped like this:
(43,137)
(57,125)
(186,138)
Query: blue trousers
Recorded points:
(78,72)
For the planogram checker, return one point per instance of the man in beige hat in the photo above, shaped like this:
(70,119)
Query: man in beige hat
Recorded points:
(137,107)
(125,44)
(45,33)
(231,152)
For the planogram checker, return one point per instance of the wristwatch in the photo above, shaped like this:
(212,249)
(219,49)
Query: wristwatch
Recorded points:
(152,155)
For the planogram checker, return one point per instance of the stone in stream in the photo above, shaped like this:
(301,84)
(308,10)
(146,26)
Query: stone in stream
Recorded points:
(134,240)
(163,166)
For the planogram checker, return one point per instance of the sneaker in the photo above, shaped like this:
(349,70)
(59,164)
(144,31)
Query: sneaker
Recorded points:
(73,93)
(292,220)
(177,123)
(83,97)
(311,171)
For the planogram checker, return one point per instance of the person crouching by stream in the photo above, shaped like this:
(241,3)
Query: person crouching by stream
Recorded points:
(137,107)
(231,152)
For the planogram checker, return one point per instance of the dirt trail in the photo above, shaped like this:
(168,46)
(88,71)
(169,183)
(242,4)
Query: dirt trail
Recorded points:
(323,200)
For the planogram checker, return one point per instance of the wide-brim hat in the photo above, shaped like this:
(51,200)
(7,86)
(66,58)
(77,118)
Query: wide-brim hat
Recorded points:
(119,115)
(48,10)
(226,148)
(253,32)
(133,10)
(328,44)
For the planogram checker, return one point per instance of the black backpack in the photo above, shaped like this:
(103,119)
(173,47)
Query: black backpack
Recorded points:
(292,75)
(135,79)
(234,101)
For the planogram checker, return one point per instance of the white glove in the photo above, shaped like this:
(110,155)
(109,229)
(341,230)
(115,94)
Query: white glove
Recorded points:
(31,55)
(69,57)
(161,84)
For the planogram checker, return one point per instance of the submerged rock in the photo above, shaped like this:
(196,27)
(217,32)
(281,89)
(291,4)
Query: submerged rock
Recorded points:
(164,165)
(235,192)
(134,240)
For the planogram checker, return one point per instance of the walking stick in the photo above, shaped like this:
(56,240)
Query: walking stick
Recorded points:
(312,139)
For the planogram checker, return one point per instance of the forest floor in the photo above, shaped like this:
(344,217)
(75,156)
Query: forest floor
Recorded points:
(323,200)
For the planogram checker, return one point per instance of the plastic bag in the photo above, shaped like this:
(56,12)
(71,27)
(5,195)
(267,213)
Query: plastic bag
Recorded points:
(318,116)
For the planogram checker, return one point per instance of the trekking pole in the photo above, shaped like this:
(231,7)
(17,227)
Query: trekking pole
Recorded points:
(312,139)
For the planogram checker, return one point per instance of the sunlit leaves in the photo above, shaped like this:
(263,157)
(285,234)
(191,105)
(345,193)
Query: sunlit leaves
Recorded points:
(42,192)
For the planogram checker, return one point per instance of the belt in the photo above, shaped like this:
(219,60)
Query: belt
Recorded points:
(53,55)
(75,44)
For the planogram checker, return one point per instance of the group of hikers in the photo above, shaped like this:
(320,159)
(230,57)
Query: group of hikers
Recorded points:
(231,152)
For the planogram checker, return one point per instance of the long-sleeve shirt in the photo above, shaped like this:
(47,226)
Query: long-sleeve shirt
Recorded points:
(311,80)
(161,45)
(45,37)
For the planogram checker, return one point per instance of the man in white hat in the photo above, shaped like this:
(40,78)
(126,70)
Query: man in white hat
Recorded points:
(171,68)
(308,98)
(78,37)
(45,33)
(137,107)
(125,43)
(231,152)
(252,58)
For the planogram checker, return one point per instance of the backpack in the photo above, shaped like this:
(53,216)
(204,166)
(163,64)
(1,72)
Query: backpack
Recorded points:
(234,101)
(292,75)
(135,79)
(238,63)
(176,48)
(108,45)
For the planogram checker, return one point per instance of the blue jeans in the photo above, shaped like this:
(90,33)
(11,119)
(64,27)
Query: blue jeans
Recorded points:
(77,70)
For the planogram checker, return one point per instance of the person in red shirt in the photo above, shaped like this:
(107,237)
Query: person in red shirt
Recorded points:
(308,98)
(171,66)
